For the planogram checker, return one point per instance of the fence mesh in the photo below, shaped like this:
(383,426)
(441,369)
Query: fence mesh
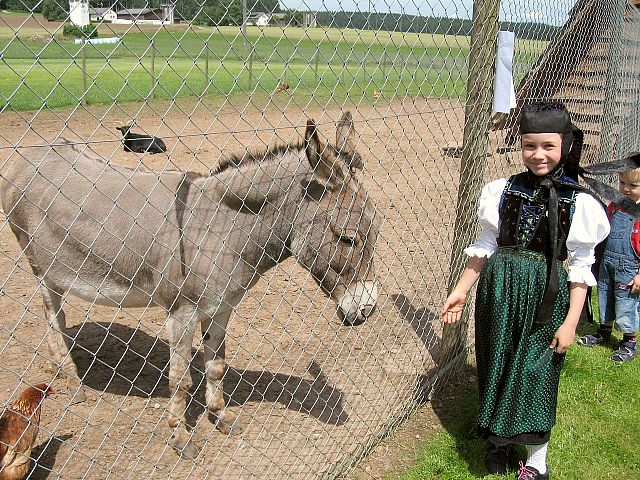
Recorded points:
(229,86)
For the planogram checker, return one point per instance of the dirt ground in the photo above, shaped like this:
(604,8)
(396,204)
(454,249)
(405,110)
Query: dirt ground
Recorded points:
(307,392)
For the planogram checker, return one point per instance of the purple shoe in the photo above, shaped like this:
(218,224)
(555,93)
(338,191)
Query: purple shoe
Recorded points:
(626,352)
(526,472)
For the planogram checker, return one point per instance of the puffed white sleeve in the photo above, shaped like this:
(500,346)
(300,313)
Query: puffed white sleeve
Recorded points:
(489,220)
(589,226)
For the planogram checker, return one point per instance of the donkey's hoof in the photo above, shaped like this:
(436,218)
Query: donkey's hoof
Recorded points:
(227,423)
(188,451)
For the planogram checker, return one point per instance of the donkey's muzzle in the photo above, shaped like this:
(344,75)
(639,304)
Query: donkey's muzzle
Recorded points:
(358,303)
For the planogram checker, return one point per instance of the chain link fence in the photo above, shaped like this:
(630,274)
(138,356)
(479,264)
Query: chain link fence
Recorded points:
(275,224)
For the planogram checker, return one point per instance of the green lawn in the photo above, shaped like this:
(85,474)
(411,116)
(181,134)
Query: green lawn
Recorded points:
(596,436)
(36,70)
(41,68)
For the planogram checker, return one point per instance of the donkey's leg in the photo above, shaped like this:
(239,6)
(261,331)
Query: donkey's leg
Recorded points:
(58,348)
(213,333)
(180,330)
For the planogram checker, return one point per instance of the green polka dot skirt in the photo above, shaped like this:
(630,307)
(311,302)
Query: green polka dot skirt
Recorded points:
(518,386)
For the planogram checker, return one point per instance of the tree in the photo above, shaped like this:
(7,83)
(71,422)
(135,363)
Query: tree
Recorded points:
(293,18)
(52,10)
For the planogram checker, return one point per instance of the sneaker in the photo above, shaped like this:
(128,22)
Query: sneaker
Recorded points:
(591,340)
(626,352)
(525,472)
(497,459)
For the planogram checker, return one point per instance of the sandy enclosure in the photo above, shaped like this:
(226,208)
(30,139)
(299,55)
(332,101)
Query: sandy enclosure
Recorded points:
(306,390)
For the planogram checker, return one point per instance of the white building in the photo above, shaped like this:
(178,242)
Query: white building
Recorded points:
(102,14)
(259,19)
(79,12)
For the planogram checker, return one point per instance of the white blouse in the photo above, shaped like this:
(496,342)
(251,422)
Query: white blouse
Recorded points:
(589,226)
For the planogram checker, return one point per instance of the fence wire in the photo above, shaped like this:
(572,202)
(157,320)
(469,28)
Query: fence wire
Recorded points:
(294,230)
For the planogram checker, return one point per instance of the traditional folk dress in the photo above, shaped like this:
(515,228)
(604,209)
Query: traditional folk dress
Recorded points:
(517,382)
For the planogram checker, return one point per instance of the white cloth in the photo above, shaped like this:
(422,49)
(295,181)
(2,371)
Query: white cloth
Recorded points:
(504,94)
(589,226)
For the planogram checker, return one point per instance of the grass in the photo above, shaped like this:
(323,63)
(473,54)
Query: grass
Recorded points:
(596,436)
(41,68)
(38,69)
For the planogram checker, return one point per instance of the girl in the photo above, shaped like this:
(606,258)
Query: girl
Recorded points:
(527,305)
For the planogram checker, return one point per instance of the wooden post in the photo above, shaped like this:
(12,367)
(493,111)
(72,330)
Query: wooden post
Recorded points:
(83,49)
(364,67)
(153,69)
(384,65)
(250,65)
(480,82)
(206,62)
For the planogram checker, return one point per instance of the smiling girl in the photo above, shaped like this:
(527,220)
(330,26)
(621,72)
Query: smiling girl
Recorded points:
(527,306)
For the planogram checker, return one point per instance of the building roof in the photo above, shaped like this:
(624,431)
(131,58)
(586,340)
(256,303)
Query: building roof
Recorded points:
(137,11)
(99,10)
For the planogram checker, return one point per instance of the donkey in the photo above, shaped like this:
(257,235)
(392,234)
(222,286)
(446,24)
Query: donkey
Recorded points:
(192,244)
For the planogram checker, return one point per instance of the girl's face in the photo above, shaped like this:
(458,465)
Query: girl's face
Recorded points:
(629,187)
(541,152)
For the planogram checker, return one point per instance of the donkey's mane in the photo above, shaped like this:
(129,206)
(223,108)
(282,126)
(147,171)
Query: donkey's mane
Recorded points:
(251,158)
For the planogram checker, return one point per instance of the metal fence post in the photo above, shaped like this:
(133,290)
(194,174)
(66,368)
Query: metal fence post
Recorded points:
(610,107)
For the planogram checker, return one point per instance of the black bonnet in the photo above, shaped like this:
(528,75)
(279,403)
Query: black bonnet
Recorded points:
(552,117)
(545,118)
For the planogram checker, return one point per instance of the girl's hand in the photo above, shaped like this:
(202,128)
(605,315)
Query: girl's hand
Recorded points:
(563,338)
(453,306)
(635,284)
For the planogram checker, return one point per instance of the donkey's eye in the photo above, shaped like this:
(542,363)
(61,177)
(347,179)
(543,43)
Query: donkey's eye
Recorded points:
(350,241)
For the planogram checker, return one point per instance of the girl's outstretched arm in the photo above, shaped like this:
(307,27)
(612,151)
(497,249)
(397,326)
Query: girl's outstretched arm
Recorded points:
(565,335)
(454,305)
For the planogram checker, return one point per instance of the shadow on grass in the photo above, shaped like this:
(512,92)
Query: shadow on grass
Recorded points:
(456,406)
(455,402)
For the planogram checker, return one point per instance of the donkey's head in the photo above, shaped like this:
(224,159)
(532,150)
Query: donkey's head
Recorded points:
(335,231)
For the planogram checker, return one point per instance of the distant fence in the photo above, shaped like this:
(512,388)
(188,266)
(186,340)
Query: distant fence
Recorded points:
(305,395)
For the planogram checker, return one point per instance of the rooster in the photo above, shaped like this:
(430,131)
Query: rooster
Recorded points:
(282,86)
(18,431)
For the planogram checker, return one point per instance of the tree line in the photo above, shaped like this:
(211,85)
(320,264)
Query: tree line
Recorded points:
(396,22)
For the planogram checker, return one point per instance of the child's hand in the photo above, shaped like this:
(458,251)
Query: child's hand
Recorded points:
(563,338)
(635,284)
(453,306)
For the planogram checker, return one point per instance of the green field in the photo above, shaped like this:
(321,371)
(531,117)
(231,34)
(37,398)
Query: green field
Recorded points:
(39,69)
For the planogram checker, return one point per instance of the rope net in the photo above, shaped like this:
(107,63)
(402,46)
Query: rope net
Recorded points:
(292,231)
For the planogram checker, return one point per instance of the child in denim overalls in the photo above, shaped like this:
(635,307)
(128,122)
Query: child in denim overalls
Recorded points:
(619,281)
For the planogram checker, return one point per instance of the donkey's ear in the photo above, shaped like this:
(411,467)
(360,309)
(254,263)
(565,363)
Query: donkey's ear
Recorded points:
(325,168)
(312,144)
(345,134)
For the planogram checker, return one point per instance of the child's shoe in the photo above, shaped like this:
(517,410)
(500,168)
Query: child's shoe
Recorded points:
(626,352)
(592,339)
(497,459)
(526,472)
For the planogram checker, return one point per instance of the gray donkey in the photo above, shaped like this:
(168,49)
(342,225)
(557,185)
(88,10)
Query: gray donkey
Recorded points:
(192,244)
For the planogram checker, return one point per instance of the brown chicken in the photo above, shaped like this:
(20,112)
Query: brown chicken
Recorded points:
(18,431)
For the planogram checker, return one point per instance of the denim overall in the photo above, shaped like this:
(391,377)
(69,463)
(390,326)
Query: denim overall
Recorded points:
(619,266)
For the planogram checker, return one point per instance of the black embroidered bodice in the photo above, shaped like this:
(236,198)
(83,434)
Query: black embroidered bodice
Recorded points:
(523,213)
